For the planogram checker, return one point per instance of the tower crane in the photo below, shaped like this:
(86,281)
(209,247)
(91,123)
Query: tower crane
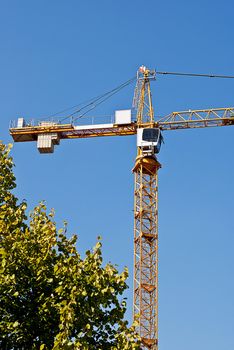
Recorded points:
(149,139)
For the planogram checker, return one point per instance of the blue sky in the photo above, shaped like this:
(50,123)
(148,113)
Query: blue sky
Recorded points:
(55,54)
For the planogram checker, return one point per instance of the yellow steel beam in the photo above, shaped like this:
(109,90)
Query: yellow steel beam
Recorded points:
(146,249)
(68,131)
(146,227)
(201,118)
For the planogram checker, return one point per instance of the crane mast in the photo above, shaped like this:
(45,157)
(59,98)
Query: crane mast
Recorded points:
(146,224)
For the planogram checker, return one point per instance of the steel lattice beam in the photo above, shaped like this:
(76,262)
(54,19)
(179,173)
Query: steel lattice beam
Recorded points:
(146,250)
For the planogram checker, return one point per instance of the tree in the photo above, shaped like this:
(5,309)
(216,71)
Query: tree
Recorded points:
(51,298)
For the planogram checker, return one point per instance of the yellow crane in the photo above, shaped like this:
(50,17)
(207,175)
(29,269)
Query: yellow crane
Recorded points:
(149,138)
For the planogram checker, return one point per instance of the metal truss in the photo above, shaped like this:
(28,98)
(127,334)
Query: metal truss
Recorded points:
(197,119)
(146,250)
(68,131)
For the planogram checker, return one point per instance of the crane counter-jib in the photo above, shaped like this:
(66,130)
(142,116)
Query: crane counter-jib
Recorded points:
(66,131)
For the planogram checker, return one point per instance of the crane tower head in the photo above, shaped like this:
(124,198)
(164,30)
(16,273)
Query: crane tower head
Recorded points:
(146,72)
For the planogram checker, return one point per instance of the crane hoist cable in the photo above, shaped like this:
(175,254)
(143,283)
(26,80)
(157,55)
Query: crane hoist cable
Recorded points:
(91,101)
(96,101)
(104,99)
(85,103)
(196,75)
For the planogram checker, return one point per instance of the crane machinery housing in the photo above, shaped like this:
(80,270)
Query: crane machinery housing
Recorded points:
(48,133)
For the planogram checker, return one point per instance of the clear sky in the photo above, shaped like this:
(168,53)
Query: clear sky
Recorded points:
(55,54)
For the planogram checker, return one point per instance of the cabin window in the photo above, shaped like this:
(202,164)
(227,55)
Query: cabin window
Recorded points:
(150,135)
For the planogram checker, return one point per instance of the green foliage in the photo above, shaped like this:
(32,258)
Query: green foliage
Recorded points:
(50,298)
